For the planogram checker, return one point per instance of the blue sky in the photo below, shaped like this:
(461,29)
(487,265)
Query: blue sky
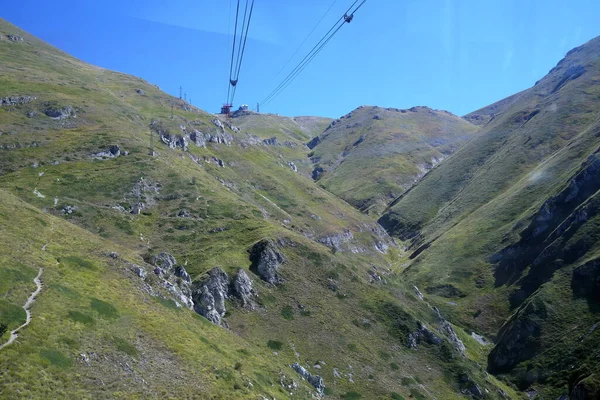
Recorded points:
(457,55)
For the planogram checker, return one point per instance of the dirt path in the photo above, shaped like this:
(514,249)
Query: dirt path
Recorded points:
(14,333)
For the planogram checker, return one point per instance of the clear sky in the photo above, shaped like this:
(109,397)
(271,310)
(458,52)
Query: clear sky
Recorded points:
(457,55)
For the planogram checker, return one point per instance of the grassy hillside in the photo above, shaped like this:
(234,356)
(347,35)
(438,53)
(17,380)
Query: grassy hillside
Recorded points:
(373,155)
(92,163)
(503,232)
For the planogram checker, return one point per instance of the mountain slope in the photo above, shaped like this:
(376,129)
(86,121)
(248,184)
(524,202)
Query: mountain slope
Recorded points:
(206,219)
(372,155)
(505,229)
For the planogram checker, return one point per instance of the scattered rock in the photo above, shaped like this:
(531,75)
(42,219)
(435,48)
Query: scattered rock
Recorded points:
(184,214)
(14,38)
(139,271)
(140,92)
(113,255)
(68,210)
(292,166)
(168,270)
(266,260)
(32,114)
(16,100)
(314,380)
(377,117)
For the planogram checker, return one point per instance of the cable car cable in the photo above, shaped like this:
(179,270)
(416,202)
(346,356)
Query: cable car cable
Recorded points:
(315,50)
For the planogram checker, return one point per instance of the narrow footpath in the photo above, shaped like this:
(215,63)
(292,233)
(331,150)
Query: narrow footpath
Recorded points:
(27,307)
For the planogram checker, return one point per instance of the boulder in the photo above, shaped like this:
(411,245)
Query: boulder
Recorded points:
(314,380)
(293,166)
(266,260)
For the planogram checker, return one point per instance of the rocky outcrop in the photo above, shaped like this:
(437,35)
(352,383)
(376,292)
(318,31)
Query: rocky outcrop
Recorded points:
(112,152)
(314,380)
(210,294)
(422,334)
(518,339)
(14,38)
(271,141)
(336,241)
(243,289)
(585,281)
(588,388)
(448,330)
(470,388)
(201,138)
(317,172)
(314,142)
(266,260)
(59,113)
(16,100)
(173,141)
(218,123)
(173,277)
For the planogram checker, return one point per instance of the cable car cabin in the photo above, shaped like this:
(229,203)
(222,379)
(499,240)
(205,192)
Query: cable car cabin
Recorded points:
(226,109)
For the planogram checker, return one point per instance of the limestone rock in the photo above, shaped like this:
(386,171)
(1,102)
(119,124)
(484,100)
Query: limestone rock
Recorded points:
(209,295)
(266,260)
(243,289)
(314,380)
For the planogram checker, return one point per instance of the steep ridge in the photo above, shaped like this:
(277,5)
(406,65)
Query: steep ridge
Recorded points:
(373,155)
(184,257)
(502,234)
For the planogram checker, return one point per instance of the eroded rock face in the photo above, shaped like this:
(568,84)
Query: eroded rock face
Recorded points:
(266,260)
(210,294)
(518,338)
(314,380)
(243,289)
